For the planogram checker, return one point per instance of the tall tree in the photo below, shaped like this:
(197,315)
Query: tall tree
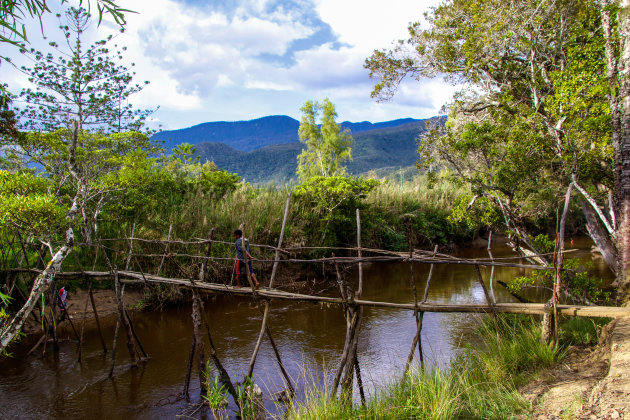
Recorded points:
(81,83)
(15,13)
(616,15)
(542,66)
(327,147)
(75,118)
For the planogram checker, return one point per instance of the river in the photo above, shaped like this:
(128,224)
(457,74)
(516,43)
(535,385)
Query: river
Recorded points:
(310,338)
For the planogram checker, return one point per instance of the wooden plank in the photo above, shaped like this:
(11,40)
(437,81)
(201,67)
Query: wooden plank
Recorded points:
(516,308)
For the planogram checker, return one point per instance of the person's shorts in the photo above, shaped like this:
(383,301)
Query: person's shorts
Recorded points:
(240,266)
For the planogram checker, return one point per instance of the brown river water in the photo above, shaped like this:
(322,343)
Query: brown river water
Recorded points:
(310,338)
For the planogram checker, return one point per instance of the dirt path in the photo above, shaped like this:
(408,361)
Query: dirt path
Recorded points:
(591,383)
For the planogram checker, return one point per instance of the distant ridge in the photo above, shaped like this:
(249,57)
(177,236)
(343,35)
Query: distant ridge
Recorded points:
(246,136)
(388,148)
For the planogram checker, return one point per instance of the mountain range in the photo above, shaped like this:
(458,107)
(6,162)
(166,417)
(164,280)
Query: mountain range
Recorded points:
(265,150)
(255,134)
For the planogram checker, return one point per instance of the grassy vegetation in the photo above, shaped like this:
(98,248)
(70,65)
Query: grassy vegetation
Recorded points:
(384,211)
(322,217)
(481,382)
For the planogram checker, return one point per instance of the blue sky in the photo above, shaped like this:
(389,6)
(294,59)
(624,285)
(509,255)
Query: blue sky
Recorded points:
(242,59)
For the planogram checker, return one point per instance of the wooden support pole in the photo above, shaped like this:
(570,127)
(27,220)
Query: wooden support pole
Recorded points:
(133,231)
(191,356)
(353,323)
(349,368)
(116,329)
(560,261)
(280,239)
(223,375)
(417,338)
(348,371)
(204,265)
(357,371)
(37,344)
(263,327)
(168,239)
(65,314)
(359,255)
(98,322)
(350,328)
(413,281)
(491,281)
(199,347)
(267,329)
(489,301)
(125,322)
(53,313)
(135,336)
(85,307)
(548,322)
(276,352)
(135,258)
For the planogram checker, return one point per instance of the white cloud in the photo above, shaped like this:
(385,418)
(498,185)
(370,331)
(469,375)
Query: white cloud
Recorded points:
(370,24)
(205,63)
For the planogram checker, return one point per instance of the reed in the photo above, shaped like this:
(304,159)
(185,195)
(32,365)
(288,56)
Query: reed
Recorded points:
(481,382)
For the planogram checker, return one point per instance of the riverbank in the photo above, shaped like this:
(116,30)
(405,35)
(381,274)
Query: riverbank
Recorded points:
(105,301)
(591,383)
(515,377)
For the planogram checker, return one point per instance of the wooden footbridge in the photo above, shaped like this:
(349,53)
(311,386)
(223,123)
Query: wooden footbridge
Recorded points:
(349,298)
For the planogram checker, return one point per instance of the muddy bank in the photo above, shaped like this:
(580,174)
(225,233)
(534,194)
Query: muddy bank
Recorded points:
(106,305)
(591,383)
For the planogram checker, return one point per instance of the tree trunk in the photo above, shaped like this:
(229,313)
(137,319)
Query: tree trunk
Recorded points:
(602,239)
(623,187)
(40,286)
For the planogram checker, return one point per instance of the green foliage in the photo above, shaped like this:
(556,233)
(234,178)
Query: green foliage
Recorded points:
(184,154)
(472,212)
(544,243)
(391,209)
(534,113)
(481,382)
(333,201)
(327,147)
(329,193)
(82,84)
(13,13)
(581,330)
(4,319)
(217,182)
(27,205)
(216,394)
(246,399)
(5,299)
(575,280)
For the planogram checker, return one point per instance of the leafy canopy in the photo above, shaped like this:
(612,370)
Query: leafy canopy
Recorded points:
(327,147)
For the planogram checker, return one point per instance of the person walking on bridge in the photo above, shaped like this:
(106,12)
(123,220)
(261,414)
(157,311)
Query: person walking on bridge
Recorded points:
(242,249)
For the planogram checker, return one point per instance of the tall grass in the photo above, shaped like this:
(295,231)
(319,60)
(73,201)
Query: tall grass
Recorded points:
(386,211)
(480,383)
(392,207)
(386,214)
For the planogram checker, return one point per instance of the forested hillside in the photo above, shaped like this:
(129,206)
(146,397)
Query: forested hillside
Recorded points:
(254,134)
(392,147)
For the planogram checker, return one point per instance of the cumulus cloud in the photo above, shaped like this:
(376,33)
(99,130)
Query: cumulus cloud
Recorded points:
(241,59)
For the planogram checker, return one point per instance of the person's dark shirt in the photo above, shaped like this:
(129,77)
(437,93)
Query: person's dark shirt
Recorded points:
(239,248)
